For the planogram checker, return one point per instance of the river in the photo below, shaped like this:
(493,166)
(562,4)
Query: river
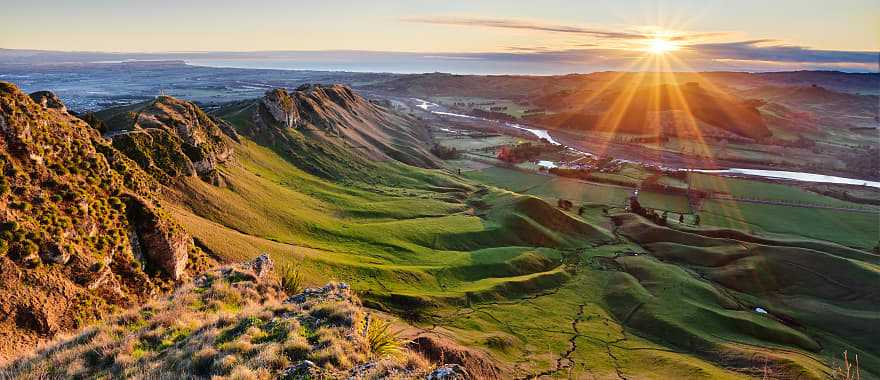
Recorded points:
(771,174)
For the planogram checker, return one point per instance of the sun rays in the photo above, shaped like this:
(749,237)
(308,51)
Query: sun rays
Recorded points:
(657,90)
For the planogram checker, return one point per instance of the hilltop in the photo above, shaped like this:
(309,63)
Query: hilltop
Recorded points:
(640,111)
(330,131)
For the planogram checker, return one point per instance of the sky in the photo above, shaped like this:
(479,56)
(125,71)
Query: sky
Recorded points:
(593,35)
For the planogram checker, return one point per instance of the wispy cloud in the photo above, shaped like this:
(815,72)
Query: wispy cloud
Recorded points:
(527,25)
(772,51)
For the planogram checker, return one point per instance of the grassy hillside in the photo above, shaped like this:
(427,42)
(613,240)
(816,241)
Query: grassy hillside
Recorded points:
(484,260)
(495,268)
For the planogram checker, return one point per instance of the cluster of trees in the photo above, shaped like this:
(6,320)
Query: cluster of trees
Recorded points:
(654,216)
(523,152)
(445,152)
(494,115)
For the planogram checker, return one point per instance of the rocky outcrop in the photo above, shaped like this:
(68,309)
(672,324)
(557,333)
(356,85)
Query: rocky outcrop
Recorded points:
(48,99)
(164,245)
(171,136)
(280,106)
(192,334)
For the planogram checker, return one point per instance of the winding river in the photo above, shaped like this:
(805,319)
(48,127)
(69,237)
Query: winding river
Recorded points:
(772,174)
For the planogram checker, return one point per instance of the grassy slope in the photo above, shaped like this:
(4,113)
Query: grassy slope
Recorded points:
(383,244)
(491,263)
(854,229)
(859,230)
(690,313)
(418,237)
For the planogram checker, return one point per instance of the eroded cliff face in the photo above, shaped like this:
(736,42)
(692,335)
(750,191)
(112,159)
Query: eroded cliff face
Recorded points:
(68,201)
(280,106)
(171,138)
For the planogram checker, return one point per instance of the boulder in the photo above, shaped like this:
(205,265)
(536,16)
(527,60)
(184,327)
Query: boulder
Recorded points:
(48,99)
(305,369)
(449,372)
(263,267)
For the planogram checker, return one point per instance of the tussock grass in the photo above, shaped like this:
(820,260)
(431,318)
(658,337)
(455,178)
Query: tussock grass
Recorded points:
(292,279)
(229,326)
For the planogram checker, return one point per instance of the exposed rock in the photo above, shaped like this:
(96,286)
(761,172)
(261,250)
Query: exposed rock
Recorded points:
(449,372)
(304,370)
(163,244)
(333,292)
(279,104)
(171,136)
(48,99)
(263,267)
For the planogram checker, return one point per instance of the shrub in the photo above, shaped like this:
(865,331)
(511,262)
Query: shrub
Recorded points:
(381,339)
(336,314)
(291,279)
(445,152)
(499,342)
(23,206)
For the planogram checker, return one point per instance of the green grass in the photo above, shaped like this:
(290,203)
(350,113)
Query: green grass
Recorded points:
(499,264)
(855,229)
(551,187)
(741,187)
(663,201)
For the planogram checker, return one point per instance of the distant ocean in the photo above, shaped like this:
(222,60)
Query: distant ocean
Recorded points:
(399,65)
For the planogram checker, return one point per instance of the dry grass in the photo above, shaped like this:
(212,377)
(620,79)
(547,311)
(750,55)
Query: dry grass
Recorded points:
(223,327)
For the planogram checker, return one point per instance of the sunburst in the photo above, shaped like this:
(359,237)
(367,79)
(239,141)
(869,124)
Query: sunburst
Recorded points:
(660,46)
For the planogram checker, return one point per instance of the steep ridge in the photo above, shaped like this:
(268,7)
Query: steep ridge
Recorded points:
(170,138)
(330,131)
(80,228)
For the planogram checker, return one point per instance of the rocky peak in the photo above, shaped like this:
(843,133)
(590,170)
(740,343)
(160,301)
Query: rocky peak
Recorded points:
(279,104)
(319,105)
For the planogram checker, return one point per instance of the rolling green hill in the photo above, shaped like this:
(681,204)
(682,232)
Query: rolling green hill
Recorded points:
(334,187)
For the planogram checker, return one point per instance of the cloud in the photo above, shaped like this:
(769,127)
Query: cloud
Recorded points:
(600,33)
(759,50)
(527,25)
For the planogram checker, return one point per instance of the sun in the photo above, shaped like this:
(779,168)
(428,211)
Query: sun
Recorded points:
(661,46)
